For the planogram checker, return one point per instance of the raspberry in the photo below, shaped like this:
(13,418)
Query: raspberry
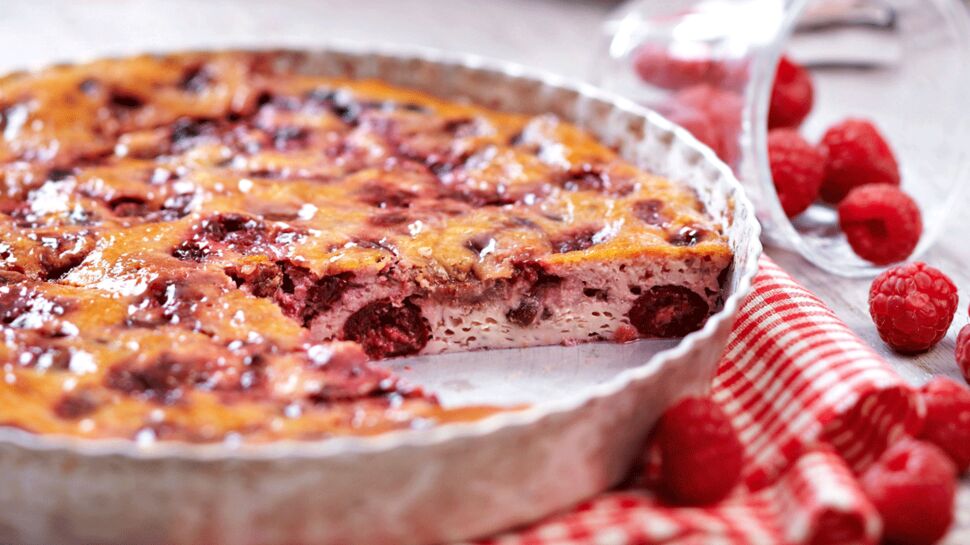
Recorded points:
(797,168)
(947,423)
(856,155)
(722,109)
(700,454)
(659,66)
(882,224)
(697,123)
(912,306)
(913,486)
(791,95)
(963,352)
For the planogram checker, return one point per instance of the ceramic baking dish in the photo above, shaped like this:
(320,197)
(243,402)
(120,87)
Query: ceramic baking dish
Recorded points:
(589,407)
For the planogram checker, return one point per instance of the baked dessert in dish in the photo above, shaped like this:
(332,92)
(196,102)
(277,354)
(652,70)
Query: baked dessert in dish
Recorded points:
(202,246)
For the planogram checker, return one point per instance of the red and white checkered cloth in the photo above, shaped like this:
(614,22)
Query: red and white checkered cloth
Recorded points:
(813,405)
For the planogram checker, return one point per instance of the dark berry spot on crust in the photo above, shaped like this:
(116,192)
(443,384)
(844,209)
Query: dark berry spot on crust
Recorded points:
(688,235)
(520,222)
(128,206)
(173,300)
(668,311)
(76,405)
(526,312)
(265,97)
(174,207)
(586,178)
(651,212)
(164,379)
(573,241)
(59,174)
(341,103)
(125,100)
(387,330)
(42,352)
(388,219)
(412,107)
(481,245)
(192,250)
(234,232)
(385,195)
(62,252)
(231,226)
(375,244)
(185,129)
(461,127)
(285,138)
(195,80)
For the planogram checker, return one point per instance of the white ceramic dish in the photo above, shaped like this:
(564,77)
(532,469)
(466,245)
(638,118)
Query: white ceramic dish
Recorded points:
(591,405)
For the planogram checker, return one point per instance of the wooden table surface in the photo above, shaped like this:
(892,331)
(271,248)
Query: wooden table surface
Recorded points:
(556,35)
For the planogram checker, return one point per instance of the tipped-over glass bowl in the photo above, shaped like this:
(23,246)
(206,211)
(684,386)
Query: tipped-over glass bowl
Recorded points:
(903,64)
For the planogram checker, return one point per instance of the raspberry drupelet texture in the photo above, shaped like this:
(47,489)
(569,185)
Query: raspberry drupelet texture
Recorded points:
(722,109)
(700,454)
(791,96)
(963,352)
(912,306)
(913,486)
(856,154)
(947,423)
(797,169)
(659,66)
(698,123)
(882,224)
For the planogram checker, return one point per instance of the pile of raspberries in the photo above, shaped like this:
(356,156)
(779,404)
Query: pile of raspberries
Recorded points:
(852,167)
(693,456)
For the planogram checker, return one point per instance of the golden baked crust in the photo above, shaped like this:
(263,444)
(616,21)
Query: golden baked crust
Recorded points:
(183,237)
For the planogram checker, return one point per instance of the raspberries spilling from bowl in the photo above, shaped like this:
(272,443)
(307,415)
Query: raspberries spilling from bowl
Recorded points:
(881,226)
(881,223)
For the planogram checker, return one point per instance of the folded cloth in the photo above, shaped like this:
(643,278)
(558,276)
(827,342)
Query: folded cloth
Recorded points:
(813,406)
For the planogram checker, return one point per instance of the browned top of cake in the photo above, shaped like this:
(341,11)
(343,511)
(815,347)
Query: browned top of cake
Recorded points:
(135,193)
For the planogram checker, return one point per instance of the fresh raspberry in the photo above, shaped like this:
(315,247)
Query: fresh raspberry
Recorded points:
(882,224)
(797,168)
(662,67)
(856,154)
(947,423)
(722,109)
(963,352)
(700,454)
(913,486)
(791,95)
(697,123)
(912,306)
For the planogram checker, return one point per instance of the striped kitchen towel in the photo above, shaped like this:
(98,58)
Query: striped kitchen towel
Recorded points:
(813,405)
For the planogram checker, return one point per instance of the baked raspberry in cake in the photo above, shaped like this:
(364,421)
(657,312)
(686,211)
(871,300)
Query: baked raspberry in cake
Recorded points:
(199,245)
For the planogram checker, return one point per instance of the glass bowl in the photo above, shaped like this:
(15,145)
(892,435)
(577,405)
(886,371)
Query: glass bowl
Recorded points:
(903,64)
